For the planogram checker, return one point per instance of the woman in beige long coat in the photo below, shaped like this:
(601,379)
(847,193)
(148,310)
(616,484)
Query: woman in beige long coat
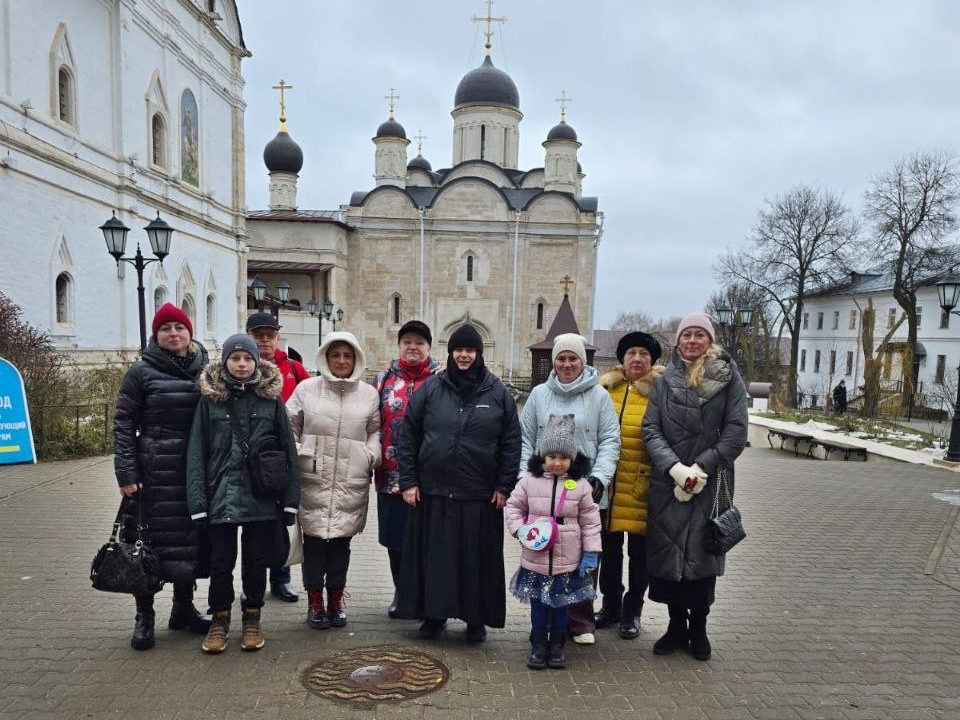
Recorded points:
(336,422)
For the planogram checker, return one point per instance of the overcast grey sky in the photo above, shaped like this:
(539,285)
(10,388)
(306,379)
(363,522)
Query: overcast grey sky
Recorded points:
(690,112)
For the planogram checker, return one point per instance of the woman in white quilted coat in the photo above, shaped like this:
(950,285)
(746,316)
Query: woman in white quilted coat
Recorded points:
(336,422)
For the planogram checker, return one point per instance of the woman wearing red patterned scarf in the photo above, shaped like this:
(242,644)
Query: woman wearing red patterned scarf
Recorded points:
(395,385)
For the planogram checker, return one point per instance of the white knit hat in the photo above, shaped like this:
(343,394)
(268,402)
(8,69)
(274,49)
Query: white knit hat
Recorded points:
(559,436)
(577,344)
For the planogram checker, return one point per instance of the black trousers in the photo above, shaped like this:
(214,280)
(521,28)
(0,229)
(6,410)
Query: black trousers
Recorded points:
(325,562)
(611,572)
(255,541)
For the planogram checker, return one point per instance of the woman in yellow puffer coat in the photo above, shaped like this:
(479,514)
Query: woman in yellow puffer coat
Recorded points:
(629,384)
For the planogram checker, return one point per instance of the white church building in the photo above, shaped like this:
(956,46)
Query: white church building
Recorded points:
(127,107)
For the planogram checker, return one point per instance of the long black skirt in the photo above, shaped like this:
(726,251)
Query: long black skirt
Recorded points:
(453,562)
(688,593)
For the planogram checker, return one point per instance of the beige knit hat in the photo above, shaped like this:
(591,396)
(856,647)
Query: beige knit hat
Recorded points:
(697,319)
(577,344)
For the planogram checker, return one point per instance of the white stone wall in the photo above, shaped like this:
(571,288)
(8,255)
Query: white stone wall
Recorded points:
(501,144)
(61,180)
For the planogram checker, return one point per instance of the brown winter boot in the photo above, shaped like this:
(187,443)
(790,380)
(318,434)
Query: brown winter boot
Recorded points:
(336,613)
(316,613)
(218,634)
(252,635)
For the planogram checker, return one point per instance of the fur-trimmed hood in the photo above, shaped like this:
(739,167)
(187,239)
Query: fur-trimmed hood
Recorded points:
(615,377)
(266,382)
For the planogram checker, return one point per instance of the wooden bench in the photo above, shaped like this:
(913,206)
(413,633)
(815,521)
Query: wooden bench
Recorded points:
(784,435)
(830,446)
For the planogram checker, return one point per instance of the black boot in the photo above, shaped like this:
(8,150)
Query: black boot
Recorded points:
(143,629)
(699,643)
(538,649)
(556,658)
(395,557)
(608,614)
(183,614)
(677,635)
(630,622)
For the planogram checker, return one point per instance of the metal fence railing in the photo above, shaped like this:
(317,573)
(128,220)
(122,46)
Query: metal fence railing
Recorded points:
(61,431)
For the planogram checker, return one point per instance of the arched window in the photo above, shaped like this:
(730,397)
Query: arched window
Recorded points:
(188,306)
(469,268)
(540,316)
(65,95)
(64,304)
(158,137)
(483,140)
(395,309)
(159,297)
(211,314)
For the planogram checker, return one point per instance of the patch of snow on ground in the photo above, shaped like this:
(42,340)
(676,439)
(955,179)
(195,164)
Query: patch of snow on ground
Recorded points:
(952,497)
(821,426)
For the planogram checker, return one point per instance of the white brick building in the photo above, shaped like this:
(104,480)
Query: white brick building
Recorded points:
(831,348)
(133,106)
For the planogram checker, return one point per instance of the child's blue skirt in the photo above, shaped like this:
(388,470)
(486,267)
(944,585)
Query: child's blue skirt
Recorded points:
(555,591)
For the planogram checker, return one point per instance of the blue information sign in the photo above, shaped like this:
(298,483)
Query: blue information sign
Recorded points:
(16,438)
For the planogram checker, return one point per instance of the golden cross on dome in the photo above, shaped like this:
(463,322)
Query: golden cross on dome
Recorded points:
(283,107)
(419,137)
(566,281)
(563,100)
(489,20)
(392,98)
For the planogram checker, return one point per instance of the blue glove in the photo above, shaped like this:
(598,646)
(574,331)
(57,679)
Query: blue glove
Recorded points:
(289,519)
(588,563)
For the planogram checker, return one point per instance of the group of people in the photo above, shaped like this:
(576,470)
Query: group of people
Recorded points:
(626,455)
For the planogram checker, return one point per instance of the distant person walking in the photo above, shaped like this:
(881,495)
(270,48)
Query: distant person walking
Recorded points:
(840,398)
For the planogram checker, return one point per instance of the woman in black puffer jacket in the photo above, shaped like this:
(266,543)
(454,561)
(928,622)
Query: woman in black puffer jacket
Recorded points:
(151,428)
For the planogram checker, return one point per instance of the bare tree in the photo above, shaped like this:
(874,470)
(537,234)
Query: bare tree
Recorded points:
(913,208)
(800,244)
(747,343)
(873,361)
(636,320)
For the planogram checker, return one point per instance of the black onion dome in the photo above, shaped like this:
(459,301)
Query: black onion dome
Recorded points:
(391,128)
(562,131)
(282,154)
(421,163)
(486,85)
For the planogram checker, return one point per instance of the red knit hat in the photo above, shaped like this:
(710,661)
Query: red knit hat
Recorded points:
(169,312)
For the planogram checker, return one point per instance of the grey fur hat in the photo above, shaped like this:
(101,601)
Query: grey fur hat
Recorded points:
(559,436)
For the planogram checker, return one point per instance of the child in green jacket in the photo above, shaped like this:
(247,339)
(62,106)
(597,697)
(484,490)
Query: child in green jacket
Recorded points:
(240,408)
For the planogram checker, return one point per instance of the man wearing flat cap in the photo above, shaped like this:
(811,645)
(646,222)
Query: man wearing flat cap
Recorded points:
(629,385)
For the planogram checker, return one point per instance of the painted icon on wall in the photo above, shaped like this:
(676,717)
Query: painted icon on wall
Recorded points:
(189,139)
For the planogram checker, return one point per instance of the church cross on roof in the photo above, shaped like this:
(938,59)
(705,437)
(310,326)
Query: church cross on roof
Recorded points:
(489,20)
(283,107)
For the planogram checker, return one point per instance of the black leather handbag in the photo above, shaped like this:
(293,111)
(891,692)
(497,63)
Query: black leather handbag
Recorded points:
(725,527)
(126,567)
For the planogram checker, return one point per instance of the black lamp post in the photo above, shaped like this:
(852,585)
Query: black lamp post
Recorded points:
(159,234)
(259,292)
(735,319)
(324,312)
(948,290)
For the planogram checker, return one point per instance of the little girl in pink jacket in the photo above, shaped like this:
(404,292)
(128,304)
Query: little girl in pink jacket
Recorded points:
(554,578)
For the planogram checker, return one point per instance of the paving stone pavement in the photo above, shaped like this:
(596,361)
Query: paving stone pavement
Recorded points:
(842,604)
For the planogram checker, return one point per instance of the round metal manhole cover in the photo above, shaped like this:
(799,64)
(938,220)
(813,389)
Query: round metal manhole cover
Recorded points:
(368,676)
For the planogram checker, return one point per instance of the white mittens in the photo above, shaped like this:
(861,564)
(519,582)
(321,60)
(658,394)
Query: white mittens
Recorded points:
(688,480)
